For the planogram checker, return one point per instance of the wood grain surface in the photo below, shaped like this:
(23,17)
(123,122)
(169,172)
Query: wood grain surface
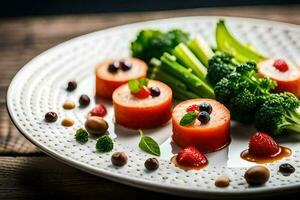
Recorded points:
(30,174)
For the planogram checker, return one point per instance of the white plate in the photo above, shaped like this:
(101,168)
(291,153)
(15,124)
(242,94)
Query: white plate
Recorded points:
(39,87)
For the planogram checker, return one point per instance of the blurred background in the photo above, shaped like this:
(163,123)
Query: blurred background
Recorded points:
(12,8)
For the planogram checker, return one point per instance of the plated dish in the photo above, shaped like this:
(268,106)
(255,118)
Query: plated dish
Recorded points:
(196,110)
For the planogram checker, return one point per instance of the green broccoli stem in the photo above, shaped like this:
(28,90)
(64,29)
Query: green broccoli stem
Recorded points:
(201,49)
(292,121)
(189,60)
(195,84)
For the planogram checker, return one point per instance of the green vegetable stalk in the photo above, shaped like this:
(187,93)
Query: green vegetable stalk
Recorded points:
(226,42)
(201,49)
(188,59)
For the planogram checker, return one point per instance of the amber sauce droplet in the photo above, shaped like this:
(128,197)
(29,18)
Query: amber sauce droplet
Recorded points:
(285,152)
(186,168)
(67,122)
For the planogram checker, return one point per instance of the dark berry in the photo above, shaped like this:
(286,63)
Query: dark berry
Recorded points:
(286,169)
(72,85)
(151,164)
(203,117)
(50,116)
(119,158)
(155,91)
(205,107)
(113,67)
(125,65)
(84,100)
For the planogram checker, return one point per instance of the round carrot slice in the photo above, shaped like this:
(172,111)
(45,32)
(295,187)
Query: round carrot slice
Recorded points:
(208,137)
(136,113)
(287,80)
(107,82)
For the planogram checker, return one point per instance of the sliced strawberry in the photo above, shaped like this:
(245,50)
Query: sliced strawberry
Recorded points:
(193,107)
(281,65)
(191,157)
(143,93)
(99,110)
(261,144)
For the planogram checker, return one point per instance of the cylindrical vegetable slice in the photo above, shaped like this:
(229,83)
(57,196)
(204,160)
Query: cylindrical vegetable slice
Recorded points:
(287,80)
(136,113)
(107,82)
(208,137)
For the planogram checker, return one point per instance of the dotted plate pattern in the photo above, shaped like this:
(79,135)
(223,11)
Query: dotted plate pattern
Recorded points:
(40,85)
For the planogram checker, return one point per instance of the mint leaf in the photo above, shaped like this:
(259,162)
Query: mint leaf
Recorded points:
(149,145)
(136,85)
(188,118)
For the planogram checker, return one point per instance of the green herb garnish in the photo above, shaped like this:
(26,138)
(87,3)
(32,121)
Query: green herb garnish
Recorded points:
(81,136)
(104,144)
(137,84)
(188,118)
(148,144)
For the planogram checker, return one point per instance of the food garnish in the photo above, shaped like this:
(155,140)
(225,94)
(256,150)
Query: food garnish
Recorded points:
(84,100)
(257,175)
(203,117)
(281,65)
(205,107)
(68,105)
(138,87)
(50,117)
(148,144)
(67,122)
(96,125)
(192,108)
(286,169)
(191,157)
(99,110)
(151,164)
(113,67)
(104,144)
(188,118)
(261,144)
(119,159)
(81,136)
(72,85)
(155,91)
(125,65)
(222,181)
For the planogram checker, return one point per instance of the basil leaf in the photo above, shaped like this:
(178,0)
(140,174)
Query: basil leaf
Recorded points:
(188,118)
(136,84)
(149,145)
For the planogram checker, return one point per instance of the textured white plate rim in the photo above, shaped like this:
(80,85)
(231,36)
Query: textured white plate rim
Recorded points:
(131,180)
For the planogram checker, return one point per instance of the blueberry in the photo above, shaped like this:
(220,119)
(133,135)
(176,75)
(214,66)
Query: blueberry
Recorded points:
(205,107)
(204,117)
(113,67)
(84,100)
(286,168)
(155,91)
(125,65)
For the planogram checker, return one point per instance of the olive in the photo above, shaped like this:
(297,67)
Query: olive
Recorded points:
(286,169)
(84,100)
(222,181)
(50,116)
(257,175)
(155,91)
(96,125)
(119,158)
(151,164)
(125,65)
(72,85)
(205,107)
(113,67)
(203,117)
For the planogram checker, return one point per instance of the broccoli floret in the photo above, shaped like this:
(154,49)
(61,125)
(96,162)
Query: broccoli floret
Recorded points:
(81,136)
(219,66)
(279,115)
(153,43)
(243,92)
(242,105)
(104,144)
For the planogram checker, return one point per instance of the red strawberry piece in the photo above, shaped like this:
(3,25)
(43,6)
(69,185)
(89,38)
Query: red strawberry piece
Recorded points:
(143,93)
(281,65)
(261,144)
(99,110)
(191,157)
(193,107)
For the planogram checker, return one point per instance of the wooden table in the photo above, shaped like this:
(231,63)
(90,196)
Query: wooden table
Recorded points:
(26,172)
